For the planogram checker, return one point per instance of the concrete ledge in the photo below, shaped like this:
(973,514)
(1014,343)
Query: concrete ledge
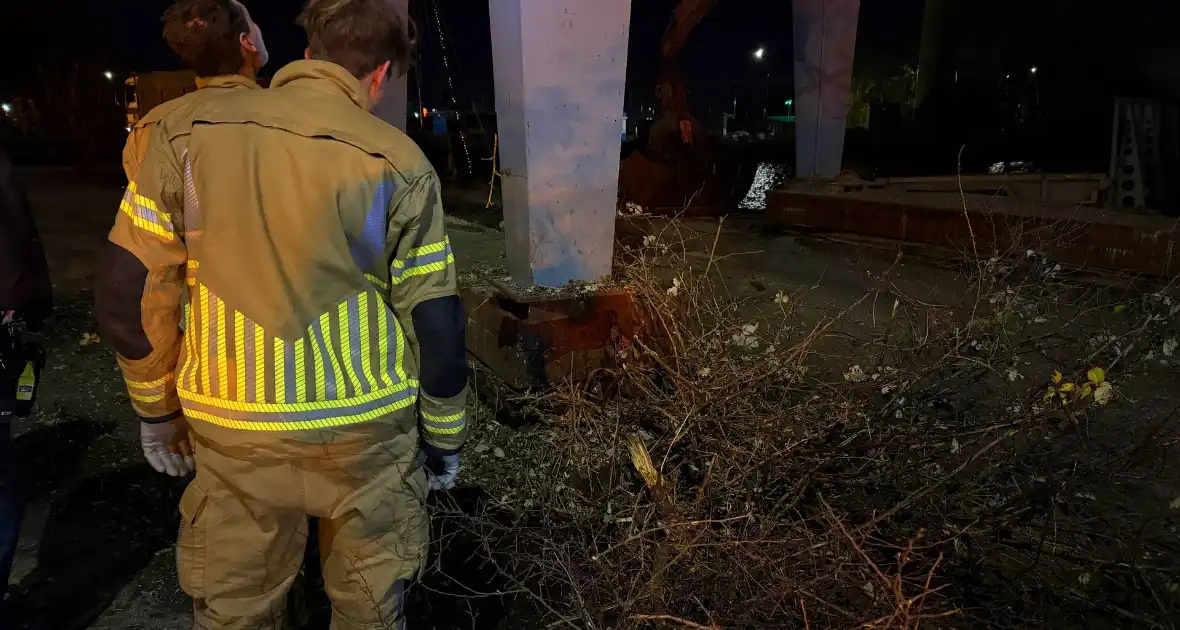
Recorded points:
(1072,235)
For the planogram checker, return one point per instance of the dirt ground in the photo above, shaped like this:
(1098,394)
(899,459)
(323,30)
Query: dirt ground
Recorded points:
(100,527)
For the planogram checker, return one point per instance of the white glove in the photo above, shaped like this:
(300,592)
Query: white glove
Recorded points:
(450,472)
(166,447)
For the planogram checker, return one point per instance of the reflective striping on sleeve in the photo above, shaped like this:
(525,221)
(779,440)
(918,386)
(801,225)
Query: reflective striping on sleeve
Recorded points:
(147,399)
(423,260)
(148,391)
(148,384)
(444,425)
(145,215)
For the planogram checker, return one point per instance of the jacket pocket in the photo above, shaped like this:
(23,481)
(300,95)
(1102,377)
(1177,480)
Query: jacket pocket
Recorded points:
(190,544)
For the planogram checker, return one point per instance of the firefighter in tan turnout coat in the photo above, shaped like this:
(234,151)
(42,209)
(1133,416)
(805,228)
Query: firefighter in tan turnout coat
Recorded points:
(322,365)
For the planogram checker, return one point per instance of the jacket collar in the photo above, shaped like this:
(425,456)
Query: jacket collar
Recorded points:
(226,81)
(322,76)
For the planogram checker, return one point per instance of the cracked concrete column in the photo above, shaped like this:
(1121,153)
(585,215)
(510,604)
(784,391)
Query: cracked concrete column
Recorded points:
(825,41)
(392,106)
(560,71)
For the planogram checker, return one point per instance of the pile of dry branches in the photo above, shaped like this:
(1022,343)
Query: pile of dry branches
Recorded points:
(888,464)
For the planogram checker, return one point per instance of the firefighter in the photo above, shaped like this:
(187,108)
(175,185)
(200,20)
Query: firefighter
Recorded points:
(322,366)
(25,295)
(218,41)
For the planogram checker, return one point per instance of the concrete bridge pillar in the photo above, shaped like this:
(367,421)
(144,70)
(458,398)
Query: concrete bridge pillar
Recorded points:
(825,41)
(560,71)
(392,106)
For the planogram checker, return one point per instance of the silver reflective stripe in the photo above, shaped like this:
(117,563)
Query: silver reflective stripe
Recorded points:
(213,329)
(354,343)
(289,373)
(329,374)
(251,365)
(442,427)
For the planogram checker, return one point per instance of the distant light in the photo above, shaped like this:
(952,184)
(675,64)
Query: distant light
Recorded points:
(789,102)
(7,107)
(758,54)
(1007,76)
(128,129)
(417,115)
(1032,70)
(109,75)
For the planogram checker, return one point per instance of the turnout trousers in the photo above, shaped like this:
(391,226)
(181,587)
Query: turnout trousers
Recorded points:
(244,522)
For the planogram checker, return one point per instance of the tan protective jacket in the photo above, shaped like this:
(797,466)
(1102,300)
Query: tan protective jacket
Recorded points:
(140,136)
(307,231)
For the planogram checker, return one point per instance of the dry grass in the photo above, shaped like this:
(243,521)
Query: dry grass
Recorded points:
(894,465)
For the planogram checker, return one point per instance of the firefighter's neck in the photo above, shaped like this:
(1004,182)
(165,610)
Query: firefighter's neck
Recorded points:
(248,70)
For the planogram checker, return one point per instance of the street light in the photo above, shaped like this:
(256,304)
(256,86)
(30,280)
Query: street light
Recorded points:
(109,75)
(1032,70)
(7,107)
(758,54)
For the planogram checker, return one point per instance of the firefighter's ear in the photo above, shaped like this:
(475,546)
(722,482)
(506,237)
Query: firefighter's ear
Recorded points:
(307,53)
(376,83)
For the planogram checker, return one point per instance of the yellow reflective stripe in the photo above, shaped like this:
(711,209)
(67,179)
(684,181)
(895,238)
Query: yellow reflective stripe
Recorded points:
(429,249)
(144,224)
(193,264)
(247,425)
(317,357)
(222,360)
(383,285)
(345,344)
(147,203)
(325,326)
(148,384)
(401,349)
(300,373)
(203,306)
(421,270)
(441,431)
(131,186)
(239,356)
(280,371)
(231,405)
(259,364)
(146,399)
(366,343)
(382,343)
(451,418)
(190,355)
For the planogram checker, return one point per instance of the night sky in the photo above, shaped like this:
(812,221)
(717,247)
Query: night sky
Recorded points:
(1071,41)
(125,34)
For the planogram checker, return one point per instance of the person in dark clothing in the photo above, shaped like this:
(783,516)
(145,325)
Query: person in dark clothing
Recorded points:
(25,296)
